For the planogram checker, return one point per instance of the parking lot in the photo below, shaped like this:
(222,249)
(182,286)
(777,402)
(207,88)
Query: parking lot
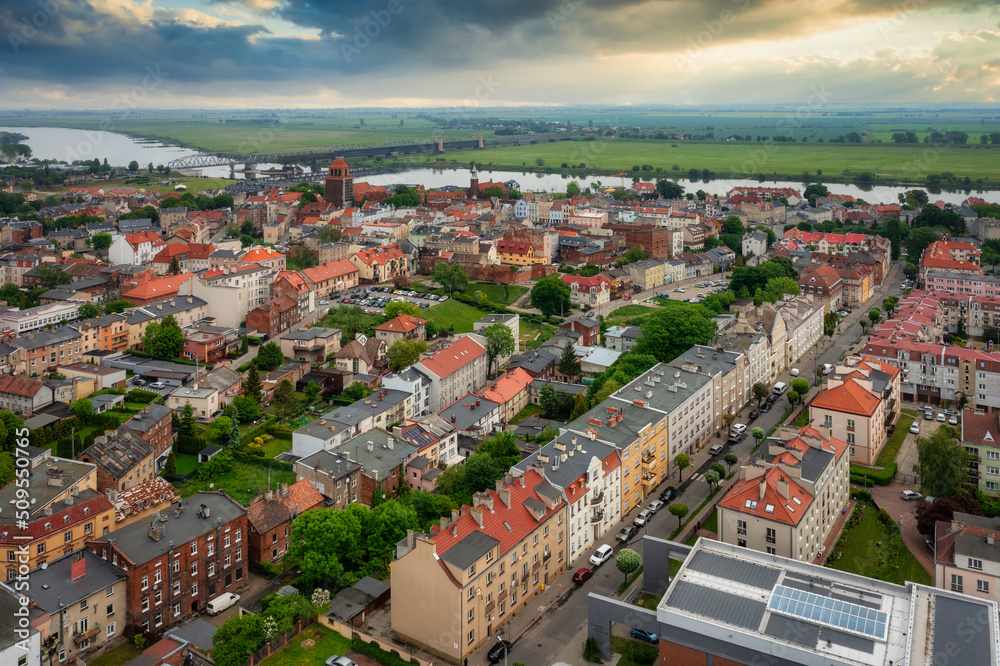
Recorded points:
(697,292)
(374,299)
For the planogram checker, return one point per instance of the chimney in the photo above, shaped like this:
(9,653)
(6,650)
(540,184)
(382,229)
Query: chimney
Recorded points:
(477,402)
(206,511)
(454,515)
(268,494)
(783,488)
(444,522)
(504,493)
(154,532)
(763,487)
(390,442)
(989,538)
(411,540)
(521,481)
(477,515)
(397,432)
(370,445)
(78,568)
(472,408)
(454,530)
(452,418)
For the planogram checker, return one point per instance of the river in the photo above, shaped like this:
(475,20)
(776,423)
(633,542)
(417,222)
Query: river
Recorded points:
(119,149)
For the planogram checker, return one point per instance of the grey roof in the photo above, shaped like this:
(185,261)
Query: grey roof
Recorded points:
(534,361)
(625,332)
(381,460)
(43,338)
(467,413)
(497,319)
(40,421)
(103,320)
(198,633)
(574,466)
(954,619)
(548,492)
(467,552)
(354,599)
(335,465)
(161,309)
(310,333)
(355,413)
(9,605)
(717,605)
(53,585)
(147,418)
(134,539)
(43,492)
(572,389)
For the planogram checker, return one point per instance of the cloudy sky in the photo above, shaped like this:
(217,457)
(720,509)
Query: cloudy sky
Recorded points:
(332,53)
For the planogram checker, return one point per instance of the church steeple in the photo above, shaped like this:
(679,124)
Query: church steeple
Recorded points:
(474,181)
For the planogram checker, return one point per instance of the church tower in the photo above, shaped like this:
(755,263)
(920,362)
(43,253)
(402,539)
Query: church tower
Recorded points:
(339,184)
(474,182)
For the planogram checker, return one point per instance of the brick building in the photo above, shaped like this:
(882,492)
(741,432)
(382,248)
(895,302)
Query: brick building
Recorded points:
(153,423)
(270,518)
(274,317)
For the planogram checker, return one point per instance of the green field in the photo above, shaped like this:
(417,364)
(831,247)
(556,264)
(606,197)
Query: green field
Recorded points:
(243,483)
(122,654)
(630,311)
(193,184)
(903,162)
(452,313)
(186,463)
(326,644)
(533,335)
(860,555)
(497,293)
(891,448)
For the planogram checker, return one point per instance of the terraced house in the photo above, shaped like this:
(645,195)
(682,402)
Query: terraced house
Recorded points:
(456,586)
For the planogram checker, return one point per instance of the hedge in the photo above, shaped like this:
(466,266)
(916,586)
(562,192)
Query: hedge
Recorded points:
(182,361)
(142,395)
(375,651)
(251,459)
(878,477)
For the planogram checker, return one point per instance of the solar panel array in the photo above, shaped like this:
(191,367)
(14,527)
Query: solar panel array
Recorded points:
(834,613)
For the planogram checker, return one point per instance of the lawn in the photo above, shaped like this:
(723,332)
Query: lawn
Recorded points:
(530,409)
(803,419)
(624,646)
(496,292)
(242,483)
(891,448)
(533,335)
(712,523)
(187,463)
(276,446)
(629,311)
(451,313)
(328,643)
(120,655)
(860,555)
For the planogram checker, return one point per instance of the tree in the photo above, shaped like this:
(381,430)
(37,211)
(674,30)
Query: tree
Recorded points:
(328,235)
(719,469)
(500,343)
(910,269)
(711,478)
(942,462)
(731,459)
(668,332)
(312,391)
(114,307)
(404,353)
(84,410)
(727,419)
(51,276)
(6,468)
(269,356)
(758,433)
(793,397)
(889,305)
(668,189)
(572,189)
(943,509)
(632,255)
(285,404)
(397,308)
(450,277)
(800,386)
(628,561)
(218,430)
(170,467)
(482,471)
(874,315)
(502,447)
(556,403)
(679,510)
(100,241)
(569,364)
(164,340)
(233,438)
(185,424)
(252,388)
(357,391)
(88,311)
(551,296)
(917,242)
(175,267)
(683,461)
(760,392)
(237,639)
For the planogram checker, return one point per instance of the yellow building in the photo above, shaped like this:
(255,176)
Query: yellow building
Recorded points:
(518,254)
(453,589)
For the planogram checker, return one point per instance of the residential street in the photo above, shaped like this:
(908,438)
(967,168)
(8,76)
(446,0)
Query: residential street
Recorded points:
(554,628)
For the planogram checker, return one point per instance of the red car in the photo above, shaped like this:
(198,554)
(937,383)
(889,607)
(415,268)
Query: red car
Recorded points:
(627,297)
(582,575)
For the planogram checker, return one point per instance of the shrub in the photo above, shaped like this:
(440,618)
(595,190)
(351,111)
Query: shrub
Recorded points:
(879,477)
(141,395)
(644,654)
(591,652)
(375,651)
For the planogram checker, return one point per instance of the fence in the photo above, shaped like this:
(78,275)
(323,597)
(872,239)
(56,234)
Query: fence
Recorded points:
(277,642)
(350,633)
(908,478)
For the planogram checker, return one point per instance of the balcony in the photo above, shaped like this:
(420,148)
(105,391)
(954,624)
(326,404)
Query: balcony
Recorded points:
(546,557)
(597,517)
(80,637)
(597,499)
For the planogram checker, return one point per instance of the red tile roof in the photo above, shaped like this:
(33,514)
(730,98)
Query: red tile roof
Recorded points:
(745,497)
(522,522)
(21,386)
(145,237)
(508,386)
(849,397)
(404,323)
(260,254)
(452,358)
(331,270)
(380,255)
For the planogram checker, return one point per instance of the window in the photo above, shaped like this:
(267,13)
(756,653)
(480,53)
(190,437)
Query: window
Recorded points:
(145,604)
(983,586)
(194,548)
(225,541)
(177,588)
(228,561)
(469,594)
(111,629)
(771,551)
(157,578)
(194,590)
(110,610)
(471,637)
(742,543)
(471,615)
(211,569)
(956,583)
(975,564)
(239,535)
(771,535)
(159,619)
(992,485)
(472,570)
(158,598)
(741,527)
(68,536)
(111,590)
(177,565)
(145,582)
(194,568)
(993,455)
(211,549)
(83,604)
(534,540)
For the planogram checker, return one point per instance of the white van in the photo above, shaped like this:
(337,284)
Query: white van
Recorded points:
(780,388)
(794,372)
(222,602)
(827,369)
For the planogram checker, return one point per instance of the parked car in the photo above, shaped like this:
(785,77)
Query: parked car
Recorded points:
(627,533)
(139,381)
(668,494)
(324,302)
(602,555)
(929,499)
(915,428)
(582,575)
(627,297)
(499,651)
(910,495)
(654,506)
(222,602)
(949,412)
(716,449)
(158,385)
(928,415)
(754,413)
(766,407)
(941,417)
(953,420)
(337,660)
(678,290)
(794,372)
(738,428)
(641,519)
(644,635)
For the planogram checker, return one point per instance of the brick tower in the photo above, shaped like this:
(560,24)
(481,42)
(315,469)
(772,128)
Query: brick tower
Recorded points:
(339,184)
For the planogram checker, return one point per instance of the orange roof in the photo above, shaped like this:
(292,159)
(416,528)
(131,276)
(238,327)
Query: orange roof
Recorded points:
(508,386)
(294,279)
(158,287)
(404,323)
(452,358)
(850,397)
(380,255)
(144,237)
(260,254)
(328,271)
(745,497)
(522,523)
(192,250)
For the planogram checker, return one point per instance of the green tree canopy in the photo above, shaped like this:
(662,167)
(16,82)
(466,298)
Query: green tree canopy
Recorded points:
(252,387)
(942,462)
(679,510)
(52,275)
(269,356)
(100,241)
(404,353)
(164,340)
(451,278)
(569,364)
(628,561)
(670,331)
(500,343)
(551,296)
(397,308)
(285,404)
